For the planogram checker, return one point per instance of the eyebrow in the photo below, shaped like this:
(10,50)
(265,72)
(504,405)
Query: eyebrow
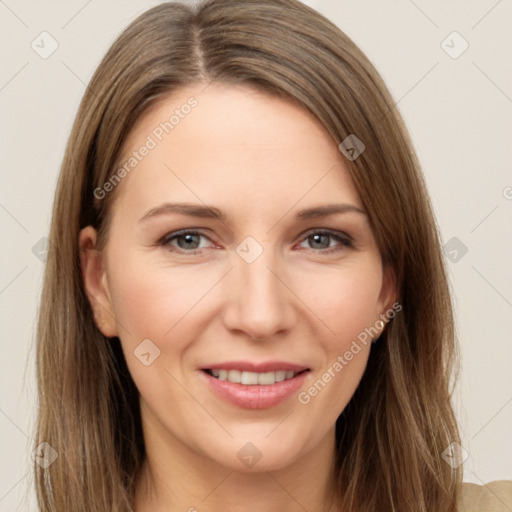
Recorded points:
(210,212)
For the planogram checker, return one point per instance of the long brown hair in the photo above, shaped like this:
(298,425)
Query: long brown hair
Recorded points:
(392,433)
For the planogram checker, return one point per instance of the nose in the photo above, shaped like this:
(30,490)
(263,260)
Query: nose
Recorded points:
(259,302)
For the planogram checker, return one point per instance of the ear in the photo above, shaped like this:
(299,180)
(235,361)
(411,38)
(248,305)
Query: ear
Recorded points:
(388,296)
(96,283)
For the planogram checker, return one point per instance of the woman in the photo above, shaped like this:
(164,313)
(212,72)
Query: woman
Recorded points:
(260,369)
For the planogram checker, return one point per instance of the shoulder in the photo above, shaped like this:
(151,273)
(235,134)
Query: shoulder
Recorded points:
(495,496)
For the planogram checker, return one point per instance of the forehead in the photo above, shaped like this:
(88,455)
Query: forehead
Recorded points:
(232,145)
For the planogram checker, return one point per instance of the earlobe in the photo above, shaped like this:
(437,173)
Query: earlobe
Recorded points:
(95,282)
(389,292)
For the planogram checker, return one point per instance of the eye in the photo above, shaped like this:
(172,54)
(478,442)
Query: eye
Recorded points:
(319,240)
(189,241)
(186,241)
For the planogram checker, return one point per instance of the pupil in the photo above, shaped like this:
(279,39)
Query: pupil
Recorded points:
(188,240)
(316,237)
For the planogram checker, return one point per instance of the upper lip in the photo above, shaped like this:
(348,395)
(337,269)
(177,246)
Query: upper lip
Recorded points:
(266,366)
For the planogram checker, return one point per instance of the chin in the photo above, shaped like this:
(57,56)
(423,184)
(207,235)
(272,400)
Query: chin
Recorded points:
(259,455)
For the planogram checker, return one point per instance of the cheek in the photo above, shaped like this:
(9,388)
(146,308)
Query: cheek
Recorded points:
(345,299)
(347,302)
(150,299)
(155,302)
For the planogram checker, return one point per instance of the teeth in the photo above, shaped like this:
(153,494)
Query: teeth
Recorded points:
(247,378)
(253,378)
(234,376)
(280,376)
(266,378)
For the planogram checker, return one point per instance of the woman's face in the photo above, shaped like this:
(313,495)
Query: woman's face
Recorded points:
(267,292)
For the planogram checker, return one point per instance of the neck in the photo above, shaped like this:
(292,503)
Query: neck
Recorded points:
(175,477)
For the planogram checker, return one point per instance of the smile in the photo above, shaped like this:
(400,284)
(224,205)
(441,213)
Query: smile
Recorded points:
(242,386)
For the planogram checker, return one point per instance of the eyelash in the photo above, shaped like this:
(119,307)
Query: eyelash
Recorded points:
(345,241)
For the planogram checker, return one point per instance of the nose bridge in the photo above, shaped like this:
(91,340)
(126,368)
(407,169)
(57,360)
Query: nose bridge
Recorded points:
(259,302)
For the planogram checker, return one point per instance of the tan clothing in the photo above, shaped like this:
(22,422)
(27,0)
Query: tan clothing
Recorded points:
(495,496)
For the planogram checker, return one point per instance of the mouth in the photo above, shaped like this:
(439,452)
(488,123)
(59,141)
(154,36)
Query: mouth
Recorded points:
(248,378)
(255,385)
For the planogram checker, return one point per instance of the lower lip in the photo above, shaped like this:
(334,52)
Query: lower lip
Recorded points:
(256,396)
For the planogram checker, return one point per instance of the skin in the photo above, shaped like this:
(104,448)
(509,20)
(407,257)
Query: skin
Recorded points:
(260,160)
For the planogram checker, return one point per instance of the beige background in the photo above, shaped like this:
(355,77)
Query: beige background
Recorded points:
(459,112)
